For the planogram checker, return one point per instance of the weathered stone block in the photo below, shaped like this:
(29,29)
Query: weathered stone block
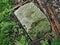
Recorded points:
(32,18)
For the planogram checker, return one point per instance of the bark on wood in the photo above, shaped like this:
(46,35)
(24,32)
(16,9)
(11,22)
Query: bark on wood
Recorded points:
(51,15)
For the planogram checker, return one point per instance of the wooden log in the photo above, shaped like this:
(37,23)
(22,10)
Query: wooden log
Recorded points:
(51,15)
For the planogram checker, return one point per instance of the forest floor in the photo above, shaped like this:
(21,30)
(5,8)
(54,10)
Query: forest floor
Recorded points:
(11,33)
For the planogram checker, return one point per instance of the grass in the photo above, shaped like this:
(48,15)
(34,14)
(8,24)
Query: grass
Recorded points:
(8,28)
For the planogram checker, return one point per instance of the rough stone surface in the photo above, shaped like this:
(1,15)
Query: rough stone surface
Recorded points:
(32,19)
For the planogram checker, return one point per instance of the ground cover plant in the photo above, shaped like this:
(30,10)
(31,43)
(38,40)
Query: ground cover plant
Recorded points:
(11,33)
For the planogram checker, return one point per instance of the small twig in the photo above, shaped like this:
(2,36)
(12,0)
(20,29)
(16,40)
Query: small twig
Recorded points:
(16,7)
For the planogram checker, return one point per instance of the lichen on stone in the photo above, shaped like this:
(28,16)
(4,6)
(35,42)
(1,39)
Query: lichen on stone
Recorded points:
(32,19)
